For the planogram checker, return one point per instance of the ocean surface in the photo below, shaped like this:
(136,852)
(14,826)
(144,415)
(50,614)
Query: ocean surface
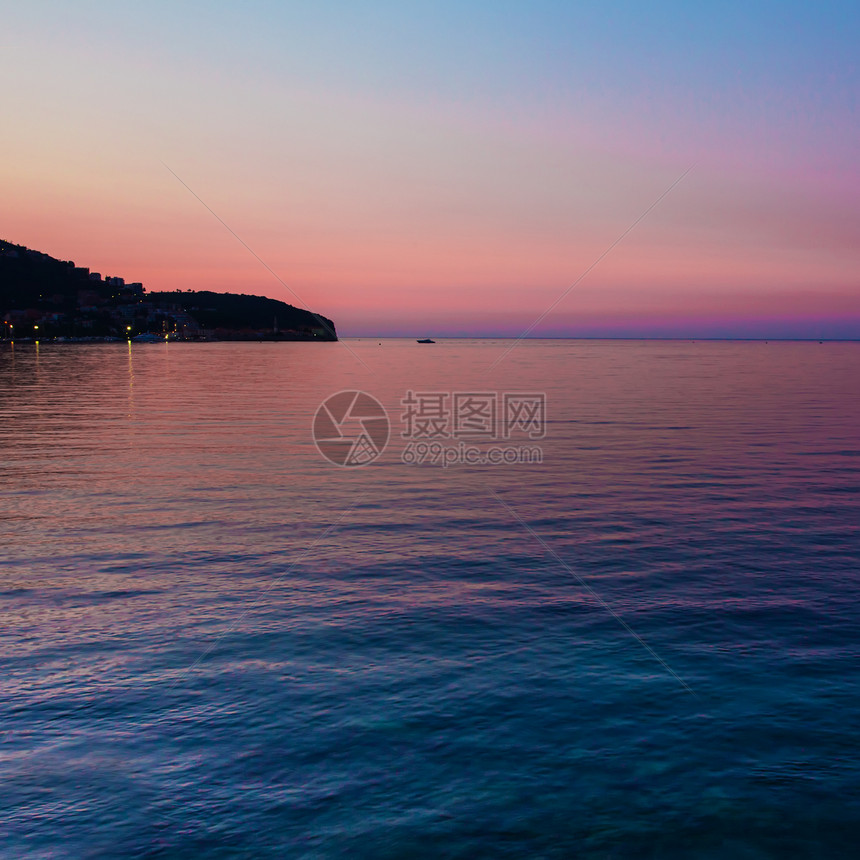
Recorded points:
(217,643)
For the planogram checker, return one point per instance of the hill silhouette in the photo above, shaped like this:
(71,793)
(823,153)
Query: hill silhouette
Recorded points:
(41,296)
(236,311)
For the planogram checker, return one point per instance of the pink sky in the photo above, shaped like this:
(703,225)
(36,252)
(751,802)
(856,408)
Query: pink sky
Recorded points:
(404,208)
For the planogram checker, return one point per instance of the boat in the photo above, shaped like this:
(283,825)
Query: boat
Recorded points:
(426,340)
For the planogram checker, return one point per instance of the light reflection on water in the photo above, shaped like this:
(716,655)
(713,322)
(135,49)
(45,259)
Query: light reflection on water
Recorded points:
(215,641)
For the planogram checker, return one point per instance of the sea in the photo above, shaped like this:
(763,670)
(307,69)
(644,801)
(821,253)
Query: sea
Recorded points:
(283,600)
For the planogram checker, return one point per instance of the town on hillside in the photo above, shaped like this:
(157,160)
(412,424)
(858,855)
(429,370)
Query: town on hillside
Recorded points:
(46,299)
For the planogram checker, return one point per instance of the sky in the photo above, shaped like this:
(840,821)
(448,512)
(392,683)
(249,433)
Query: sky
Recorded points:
(451,168)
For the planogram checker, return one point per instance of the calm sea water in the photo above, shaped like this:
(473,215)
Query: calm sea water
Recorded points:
(217,644)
